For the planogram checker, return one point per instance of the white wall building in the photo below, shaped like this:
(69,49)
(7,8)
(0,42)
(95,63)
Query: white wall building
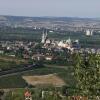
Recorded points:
(89,32)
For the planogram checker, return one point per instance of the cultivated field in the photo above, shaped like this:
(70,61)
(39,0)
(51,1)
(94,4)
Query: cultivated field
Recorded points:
(50,79)
(17,80)
(14,59)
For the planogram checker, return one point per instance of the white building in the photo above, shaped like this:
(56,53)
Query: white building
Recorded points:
(89,32)
(66,44)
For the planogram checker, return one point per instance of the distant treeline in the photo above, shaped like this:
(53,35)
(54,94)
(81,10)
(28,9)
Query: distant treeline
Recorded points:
(29,34)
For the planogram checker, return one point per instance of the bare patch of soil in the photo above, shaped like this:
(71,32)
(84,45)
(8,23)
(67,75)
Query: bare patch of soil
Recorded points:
(51,79)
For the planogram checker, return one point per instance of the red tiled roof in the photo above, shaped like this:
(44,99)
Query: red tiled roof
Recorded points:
(27,93)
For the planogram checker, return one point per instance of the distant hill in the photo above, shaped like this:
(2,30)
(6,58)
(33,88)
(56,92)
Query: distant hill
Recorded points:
(23,21)
(22,18)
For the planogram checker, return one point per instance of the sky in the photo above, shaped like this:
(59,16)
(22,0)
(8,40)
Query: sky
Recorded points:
(57,8)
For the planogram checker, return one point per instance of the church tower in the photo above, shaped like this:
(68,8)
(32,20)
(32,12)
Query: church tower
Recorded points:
(44,37)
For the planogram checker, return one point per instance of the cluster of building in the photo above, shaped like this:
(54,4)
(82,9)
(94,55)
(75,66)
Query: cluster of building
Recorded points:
(46,49)
(13,48)
(30,50)
(44,94)
(68,44)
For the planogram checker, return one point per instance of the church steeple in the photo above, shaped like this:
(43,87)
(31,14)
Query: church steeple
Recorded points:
(44,37)
(46,34)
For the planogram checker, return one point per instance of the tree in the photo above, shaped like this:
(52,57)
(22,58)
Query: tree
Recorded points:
(64,90)
(87,73)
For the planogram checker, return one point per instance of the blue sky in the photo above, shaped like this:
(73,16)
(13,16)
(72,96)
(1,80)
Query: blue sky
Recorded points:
(68,8)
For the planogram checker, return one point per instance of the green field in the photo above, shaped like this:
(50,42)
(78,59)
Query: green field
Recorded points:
(13,81)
